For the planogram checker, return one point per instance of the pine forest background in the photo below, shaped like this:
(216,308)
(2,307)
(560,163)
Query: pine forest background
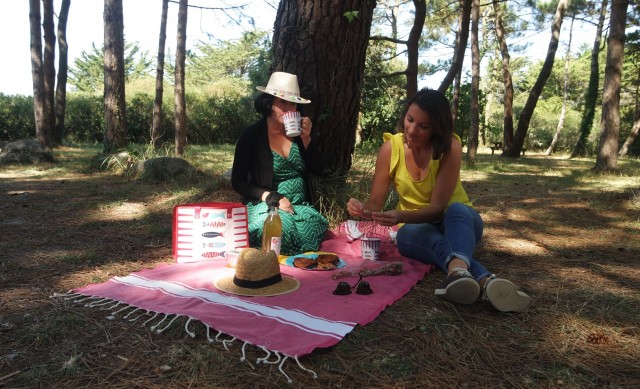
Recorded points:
(220,78)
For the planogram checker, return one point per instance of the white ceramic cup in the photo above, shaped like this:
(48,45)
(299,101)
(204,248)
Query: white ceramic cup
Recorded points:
(292,123)
(370,248)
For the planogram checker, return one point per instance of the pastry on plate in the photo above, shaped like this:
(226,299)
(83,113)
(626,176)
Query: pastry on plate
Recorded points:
(327,261)
(304,263)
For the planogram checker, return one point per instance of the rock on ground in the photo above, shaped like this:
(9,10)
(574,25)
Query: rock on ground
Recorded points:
(163,168)
(25,151)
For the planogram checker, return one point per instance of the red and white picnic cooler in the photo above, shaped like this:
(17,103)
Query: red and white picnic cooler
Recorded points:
(207,231)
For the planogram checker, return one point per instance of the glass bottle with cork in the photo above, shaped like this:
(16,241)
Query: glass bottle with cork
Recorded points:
(272,230)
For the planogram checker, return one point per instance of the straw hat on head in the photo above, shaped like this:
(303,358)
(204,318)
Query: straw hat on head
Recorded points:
(285,86)
(257,274)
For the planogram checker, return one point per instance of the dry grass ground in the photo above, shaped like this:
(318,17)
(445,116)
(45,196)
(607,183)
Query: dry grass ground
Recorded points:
(567,236)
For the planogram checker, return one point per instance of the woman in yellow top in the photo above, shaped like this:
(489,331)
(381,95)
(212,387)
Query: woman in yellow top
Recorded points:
(438,224)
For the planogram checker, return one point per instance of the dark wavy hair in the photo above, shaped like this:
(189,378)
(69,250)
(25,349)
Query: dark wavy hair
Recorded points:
(437,105)
(263,104)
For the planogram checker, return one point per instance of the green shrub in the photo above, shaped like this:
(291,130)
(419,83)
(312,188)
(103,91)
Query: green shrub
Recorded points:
(16,117)
(84,119)
(382,97)
(214,117)
(217,119)
(139,118)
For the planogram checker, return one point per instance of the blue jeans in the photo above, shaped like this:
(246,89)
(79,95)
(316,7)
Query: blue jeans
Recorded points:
(456,234)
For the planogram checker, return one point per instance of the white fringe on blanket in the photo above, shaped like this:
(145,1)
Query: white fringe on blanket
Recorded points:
(107,304)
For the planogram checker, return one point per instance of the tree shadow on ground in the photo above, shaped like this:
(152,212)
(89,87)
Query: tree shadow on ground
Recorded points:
(572,245)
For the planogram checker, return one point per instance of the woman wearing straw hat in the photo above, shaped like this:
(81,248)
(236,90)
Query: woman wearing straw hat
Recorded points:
(271,166)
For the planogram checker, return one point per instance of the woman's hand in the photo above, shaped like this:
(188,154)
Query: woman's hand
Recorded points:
(357,209)
(386,218)
(305,131)
(285,205)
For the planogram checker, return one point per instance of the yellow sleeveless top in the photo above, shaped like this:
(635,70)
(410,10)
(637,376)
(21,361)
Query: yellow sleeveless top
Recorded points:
(416,194)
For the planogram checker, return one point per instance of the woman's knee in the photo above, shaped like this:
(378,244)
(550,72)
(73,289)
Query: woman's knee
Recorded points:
(459,214)
(459,209)
(463,211)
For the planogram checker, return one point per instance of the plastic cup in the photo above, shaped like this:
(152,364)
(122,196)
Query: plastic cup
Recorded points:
(292,123)
(370,248)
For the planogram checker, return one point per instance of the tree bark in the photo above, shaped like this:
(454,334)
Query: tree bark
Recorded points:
(157,101)
(461,46)
(48,61)
(61,87)
(507,129)
(179,92)
(633,134)
(563,110)
(591,97)
(474,125)
(37,71)
(326,49)
(412,43)
(393,19)
(534,94)
(114,82)
(610,124)
(413,46)
(455,100)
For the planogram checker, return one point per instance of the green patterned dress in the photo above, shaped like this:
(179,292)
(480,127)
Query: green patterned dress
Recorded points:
(303,230)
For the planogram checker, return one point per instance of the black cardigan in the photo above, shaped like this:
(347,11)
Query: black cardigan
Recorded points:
(252,171)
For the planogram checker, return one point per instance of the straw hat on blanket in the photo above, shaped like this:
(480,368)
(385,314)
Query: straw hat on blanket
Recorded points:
(285,86)
(257,274)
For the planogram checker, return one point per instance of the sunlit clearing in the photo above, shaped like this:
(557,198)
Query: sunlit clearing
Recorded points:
(121,211)
(612,182)
(553,173)
(473,176)
(522,246)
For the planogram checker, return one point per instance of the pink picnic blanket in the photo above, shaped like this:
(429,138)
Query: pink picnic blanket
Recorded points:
(293,324)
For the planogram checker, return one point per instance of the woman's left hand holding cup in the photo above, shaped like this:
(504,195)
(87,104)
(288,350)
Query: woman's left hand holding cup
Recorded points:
(305,130)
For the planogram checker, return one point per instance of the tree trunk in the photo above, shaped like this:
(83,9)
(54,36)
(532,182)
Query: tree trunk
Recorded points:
(633,135)
(563,111)
(393,20)
(610,124)
(461,46)
(534,94)
(507,129)
(157,101)
(591,97)
(61,87)
(114,90)
(455,100)
(413,46)
(324,43)
(49,69)
(37,71)
(474,127)
(179,93)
